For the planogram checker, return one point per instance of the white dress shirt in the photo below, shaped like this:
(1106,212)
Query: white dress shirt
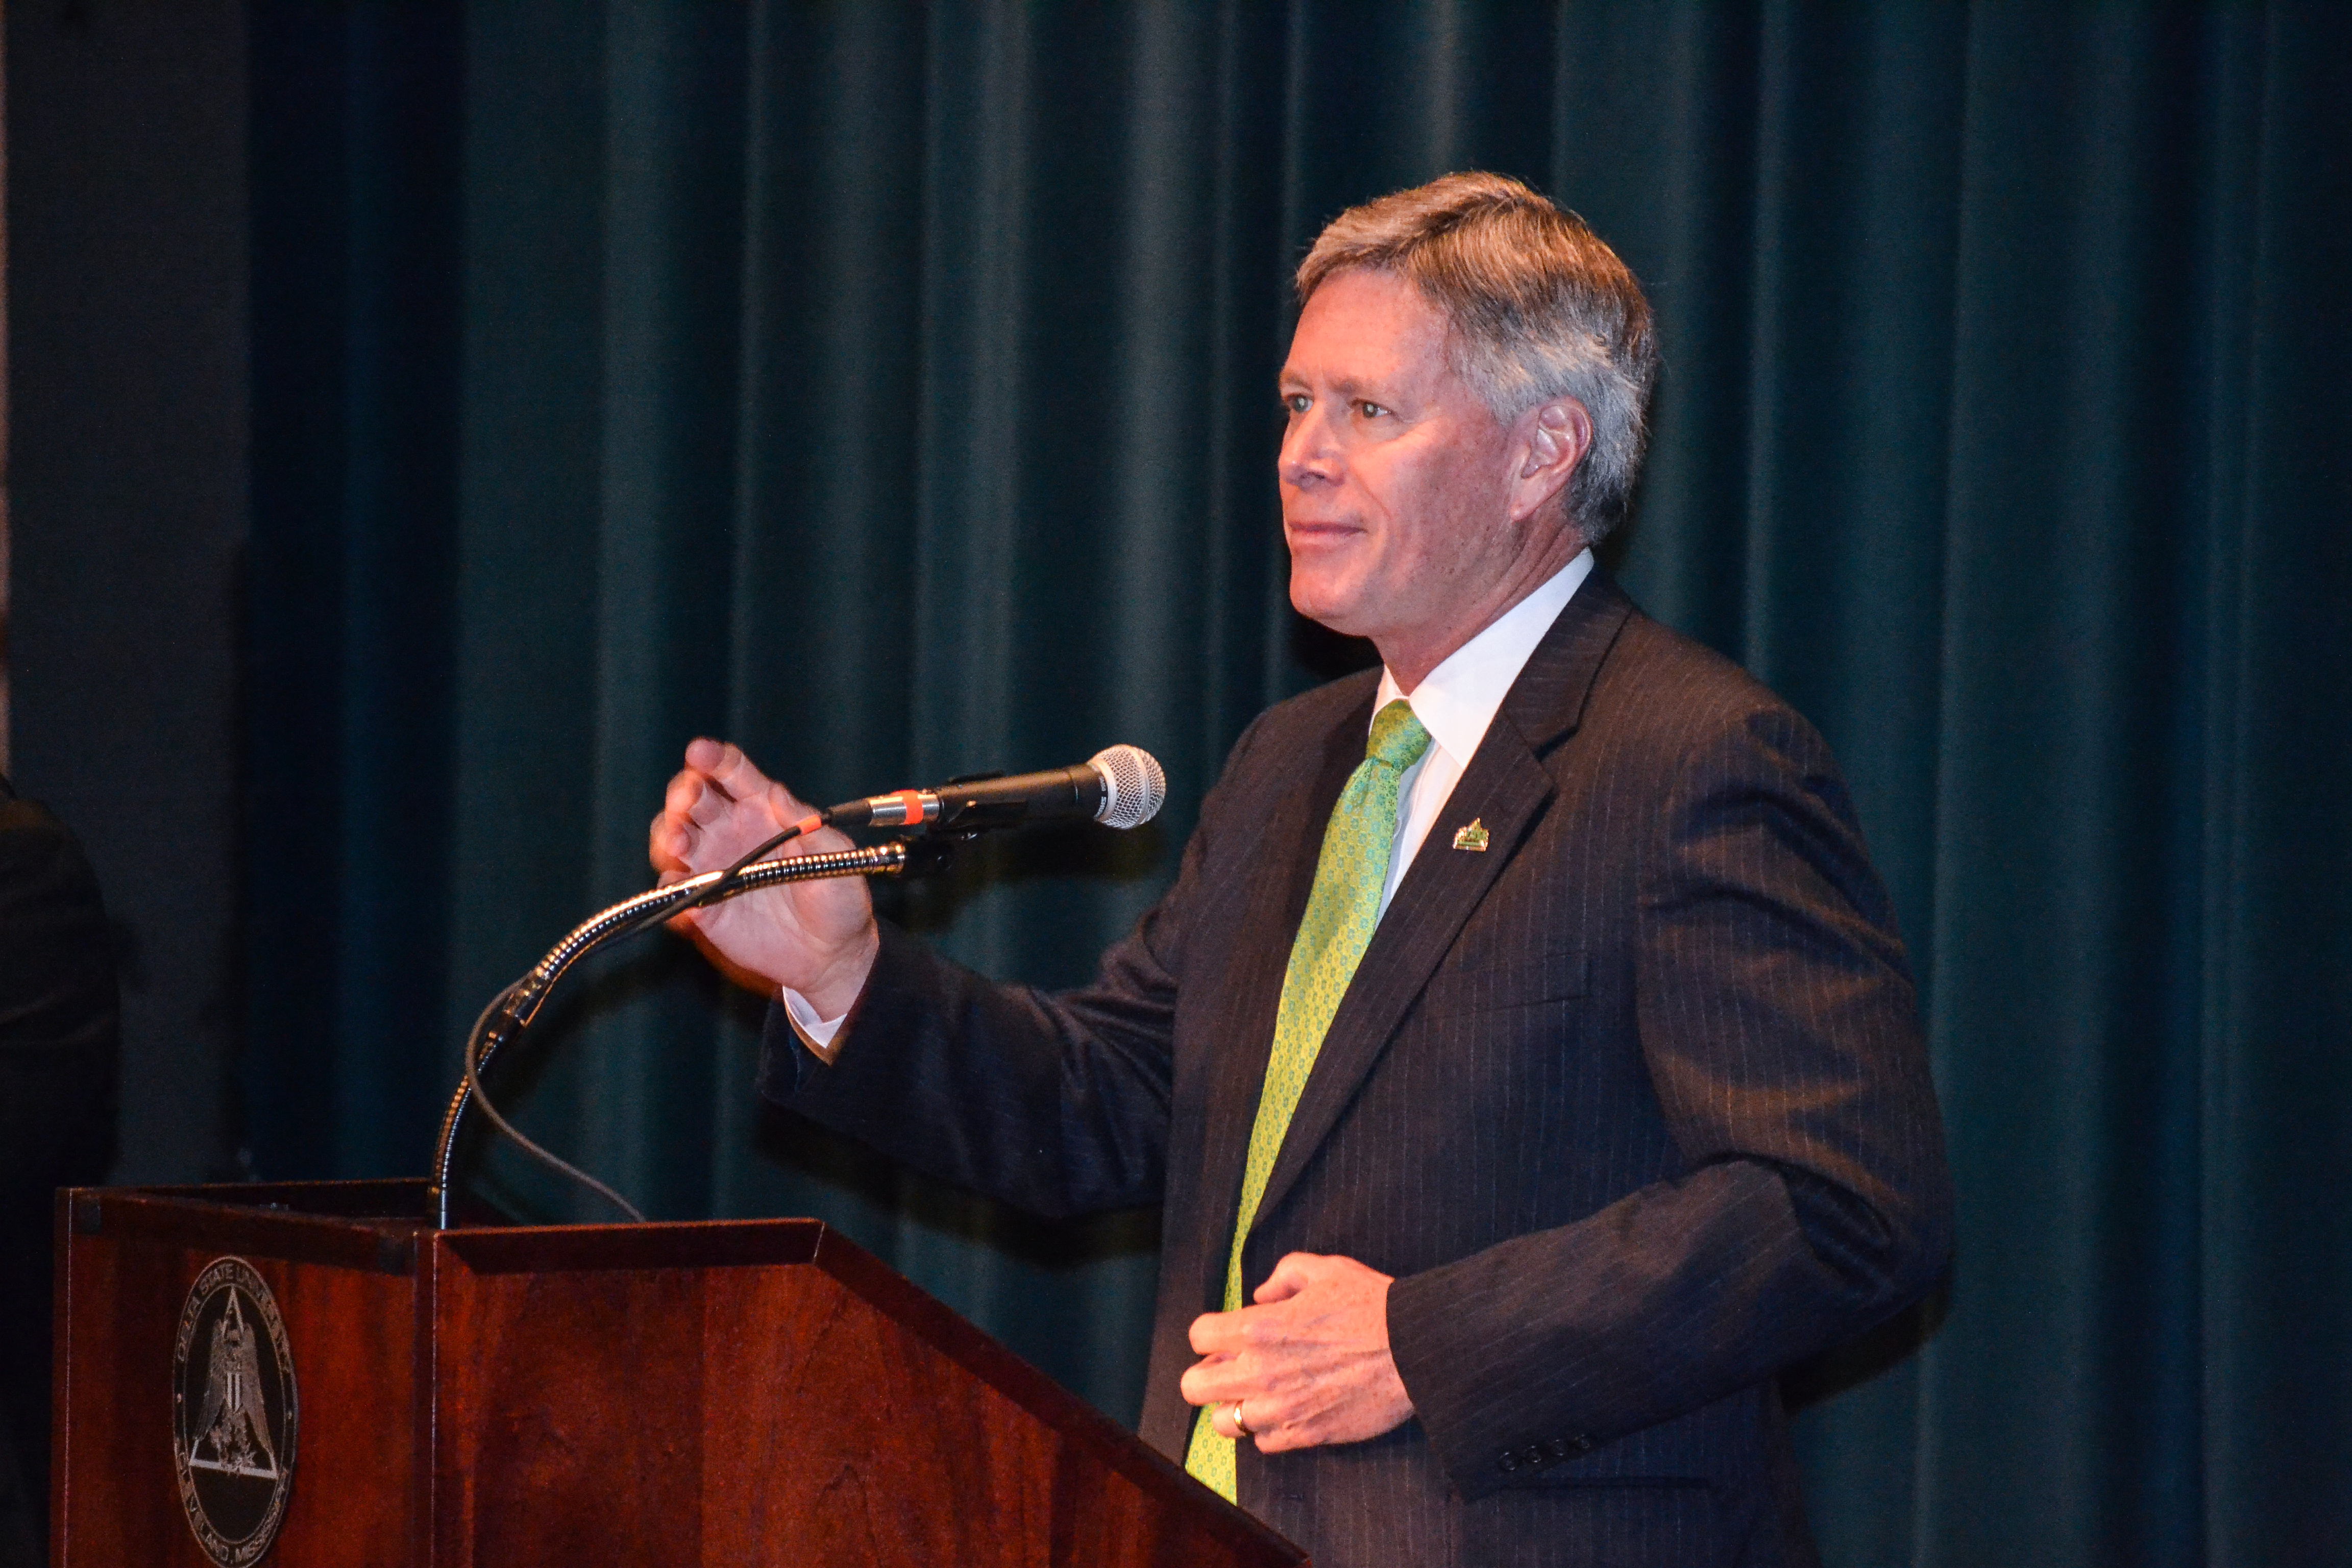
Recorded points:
(1454,703)
(1458,700)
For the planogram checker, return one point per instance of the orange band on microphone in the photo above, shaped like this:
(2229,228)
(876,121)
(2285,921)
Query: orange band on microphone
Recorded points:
(808,824)
(913,801)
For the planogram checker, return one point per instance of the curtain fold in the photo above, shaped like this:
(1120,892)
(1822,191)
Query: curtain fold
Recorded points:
(889,388)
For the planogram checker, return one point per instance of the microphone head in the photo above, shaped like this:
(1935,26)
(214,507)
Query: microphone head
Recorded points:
(1134,788)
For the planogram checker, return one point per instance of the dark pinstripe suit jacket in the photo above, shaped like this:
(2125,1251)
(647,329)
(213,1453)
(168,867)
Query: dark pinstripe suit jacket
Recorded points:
(1634,1104)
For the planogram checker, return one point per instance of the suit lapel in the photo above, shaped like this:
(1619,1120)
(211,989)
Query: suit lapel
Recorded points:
(1505,788)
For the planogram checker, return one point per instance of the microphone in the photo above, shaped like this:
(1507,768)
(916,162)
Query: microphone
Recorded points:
(1122,786)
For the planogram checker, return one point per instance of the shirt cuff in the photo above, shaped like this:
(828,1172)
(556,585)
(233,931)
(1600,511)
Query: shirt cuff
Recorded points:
(821,1035)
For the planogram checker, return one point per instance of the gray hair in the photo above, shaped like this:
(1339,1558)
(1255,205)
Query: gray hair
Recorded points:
(1539,306)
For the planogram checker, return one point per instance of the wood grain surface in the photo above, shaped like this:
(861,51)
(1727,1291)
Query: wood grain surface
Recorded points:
(736,1392)
(352,1332)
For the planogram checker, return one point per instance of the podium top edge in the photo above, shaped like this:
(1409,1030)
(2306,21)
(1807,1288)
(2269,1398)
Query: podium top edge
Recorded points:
(381,1227)
(675,1244)
(350,1227)
(396,1198)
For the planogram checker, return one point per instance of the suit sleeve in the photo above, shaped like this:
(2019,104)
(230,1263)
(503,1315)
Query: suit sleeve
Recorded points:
(1058,1105)
(1778,1026)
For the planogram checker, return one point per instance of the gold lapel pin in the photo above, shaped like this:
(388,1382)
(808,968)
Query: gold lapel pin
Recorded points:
(1471,838)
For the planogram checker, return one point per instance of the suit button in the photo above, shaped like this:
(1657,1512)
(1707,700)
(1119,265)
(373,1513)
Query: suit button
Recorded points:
(1580,1443)
(1533,1457)
(1560,1447)
(1509,1461)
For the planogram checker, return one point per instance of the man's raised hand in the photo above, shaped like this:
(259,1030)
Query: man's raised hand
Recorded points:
(818,938)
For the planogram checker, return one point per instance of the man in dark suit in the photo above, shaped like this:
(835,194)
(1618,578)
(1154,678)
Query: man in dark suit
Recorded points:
(1525,1059)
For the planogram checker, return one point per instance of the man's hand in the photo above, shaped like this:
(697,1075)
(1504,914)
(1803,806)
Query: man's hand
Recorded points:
(816,937)
(1309,1364)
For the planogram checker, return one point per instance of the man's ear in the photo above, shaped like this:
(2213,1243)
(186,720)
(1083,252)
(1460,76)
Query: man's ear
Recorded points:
(1554,437)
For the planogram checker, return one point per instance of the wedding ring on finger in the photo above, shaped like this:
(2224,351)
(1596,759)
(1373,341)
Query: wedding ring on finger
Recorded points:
(1239,1425)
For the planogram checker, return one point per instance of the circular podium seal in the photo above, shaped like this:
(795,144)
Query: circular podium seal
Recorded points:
(233,1412)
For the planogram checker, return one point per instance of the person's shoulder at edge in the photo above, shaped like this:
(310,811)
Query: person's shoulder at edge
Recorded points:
(1655,674)
(37,848)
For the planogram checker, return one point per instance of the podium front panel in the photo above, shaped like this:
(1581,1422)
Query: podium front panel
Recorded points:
(348,1301)
(742,1392)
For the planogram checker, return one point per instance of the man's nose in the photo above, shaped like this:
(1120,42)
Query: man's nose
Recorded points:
(1308,453)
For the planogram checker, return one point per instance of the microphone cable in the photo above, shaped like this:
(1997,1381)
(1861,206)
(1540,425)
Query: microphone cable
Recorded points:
(657,916)
(514,1135)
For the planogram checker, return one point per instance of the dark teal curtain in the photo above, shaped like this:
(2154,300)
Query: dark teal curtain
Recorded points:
(889,387)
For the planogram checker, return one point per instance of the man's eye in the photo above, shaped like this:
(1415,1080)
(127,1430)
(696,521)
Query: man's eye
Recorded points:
(1370,410)
(1296,403)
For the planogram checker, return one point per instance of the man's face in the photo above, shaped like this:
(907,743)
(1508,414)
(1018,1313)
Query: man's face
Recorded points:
(1395,477)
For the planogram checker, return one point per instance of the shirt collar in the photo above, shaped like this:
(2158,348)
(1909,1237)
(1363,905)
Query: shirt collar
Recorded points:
(1458,700)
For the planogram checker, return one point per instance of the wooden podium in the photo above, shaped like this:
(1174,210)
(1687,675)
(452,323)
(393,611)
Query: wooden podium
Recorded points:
(748,1392)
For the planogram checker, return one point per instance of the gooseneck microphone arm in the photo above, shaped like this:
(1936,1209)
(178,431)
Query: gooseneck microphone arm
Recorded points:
(511,1012)
(1120,786)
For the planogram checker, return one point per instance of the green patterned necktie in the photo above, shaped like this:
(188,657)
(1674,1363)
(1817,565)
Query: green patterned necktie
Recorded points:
(1340,913)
